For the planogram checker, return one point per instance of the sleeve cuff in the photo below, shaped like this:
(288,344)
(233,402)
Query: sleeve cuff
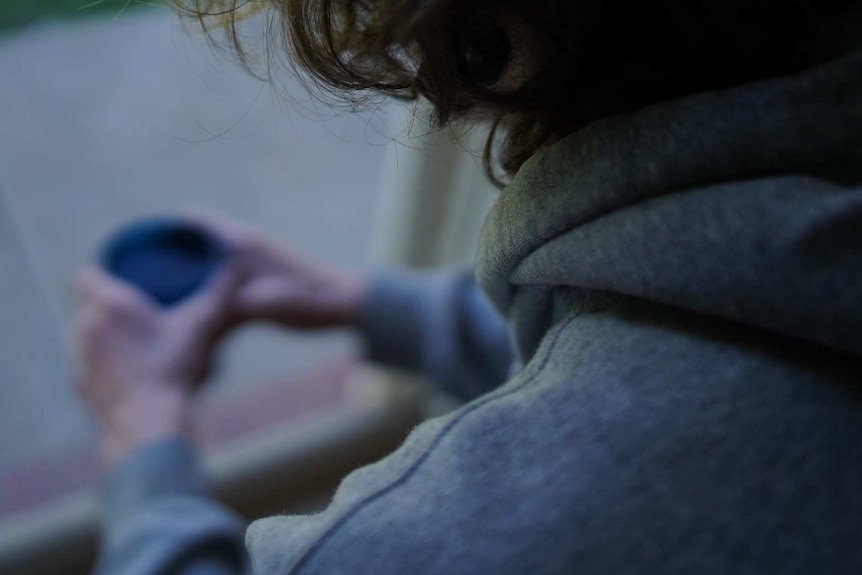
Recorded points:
(398,314)
(167,467)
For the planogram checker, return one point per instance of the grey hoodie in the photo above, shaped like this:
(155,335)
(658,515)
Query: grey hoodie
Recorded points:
(683,290)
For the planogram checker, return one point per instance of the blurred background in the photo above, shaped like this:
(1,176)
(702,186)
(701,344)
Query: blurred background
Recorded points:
(112,111)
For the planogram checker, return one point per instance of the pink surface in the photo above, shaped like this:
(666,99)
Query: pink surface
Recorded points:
(293,398)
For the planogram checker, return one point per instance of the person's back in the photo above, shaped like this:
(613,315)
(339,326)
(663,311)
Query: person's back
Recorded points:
(680,283)
(690,398)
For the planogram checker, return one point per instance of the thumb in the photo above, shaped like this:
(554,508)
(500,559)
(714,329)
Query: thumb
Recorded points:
(210,308)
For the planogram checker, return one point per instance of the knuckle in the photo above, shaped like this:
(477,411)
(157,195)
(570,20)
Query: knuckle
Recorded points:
(88,331)
(110,308)
(79,384)
(83,323)
(247,241)
(113,306)
(97,319)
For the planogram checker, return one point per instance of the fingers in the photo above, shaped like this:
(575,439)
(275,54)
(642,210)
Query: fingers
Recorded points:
(95,287)
(209,309)
(86,332)
(246,242)
(104,303)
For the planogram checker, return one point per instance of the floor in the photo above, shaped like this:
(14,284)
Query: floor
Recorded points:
(107,120)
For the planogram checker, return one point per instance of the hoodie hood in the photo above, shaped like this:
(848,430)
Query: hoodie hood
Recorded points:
(744,204)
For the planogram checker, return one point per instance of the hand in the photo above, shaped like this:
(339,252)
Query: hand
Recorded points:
(280,285)
(138,363)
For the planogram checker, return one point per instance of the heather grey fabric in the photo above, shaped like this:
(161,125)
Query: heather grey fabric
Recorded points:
(683,287)
(157,518)
(439,324)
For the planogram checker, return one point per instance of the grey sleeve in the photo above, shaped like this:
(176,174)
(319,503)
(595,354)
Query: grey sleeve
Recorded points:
(439,324)
(157,518)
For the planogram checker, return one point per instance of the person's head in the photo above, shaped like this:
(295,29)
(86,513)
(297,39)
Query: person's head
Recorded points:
(541,69)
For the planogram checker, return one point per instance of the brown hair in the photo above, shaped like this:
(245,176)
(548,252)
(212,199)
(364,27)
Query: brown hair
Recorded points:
(539,69)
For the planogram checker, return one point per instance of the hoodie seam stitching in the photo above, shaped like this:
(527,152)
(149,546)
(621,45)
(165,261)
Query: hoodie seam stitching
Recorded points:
(319,542)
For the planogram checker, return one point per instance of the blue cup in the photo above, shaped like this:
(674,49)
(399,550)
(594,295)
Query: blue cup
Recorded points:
(166,258)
